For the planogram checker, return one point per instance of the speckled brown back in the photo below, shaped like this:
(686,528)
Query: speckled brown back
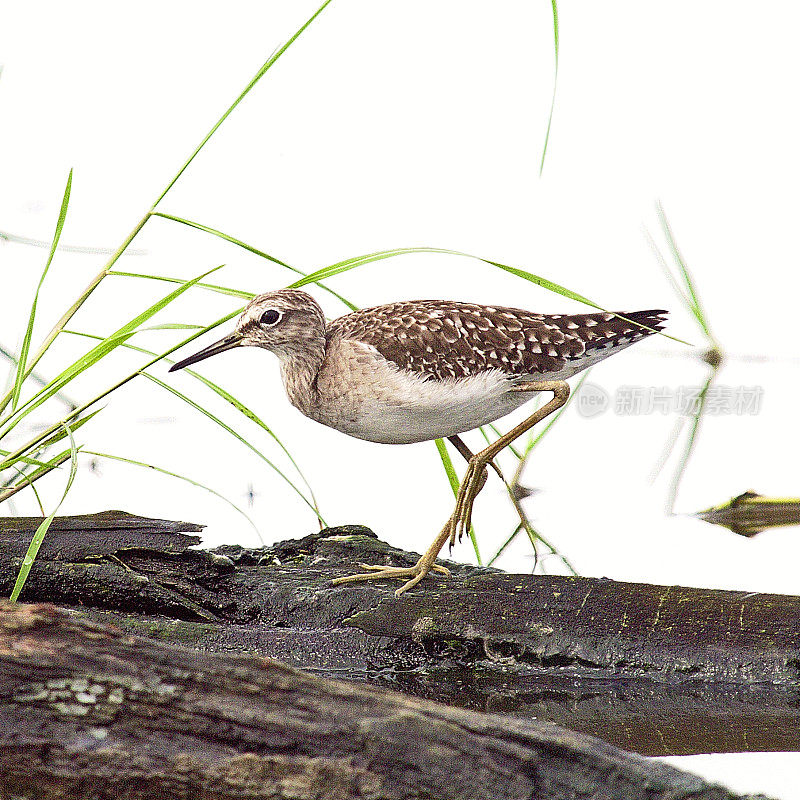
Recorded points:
(447,339)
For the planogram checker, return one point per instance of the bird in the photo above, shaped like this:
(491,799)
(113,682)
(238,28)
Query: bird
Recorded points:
(417,370)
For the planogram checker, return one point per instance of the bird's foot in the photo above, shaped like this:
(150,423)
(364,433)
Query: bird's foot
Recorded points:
(471,485)
(377,572)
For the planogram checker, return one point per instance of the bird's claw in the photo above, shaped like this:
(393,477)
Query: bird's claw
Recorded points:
(376,572)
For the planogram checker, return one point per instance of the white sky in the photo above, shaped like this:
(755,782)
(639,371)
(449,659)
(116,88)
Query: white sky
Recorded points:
(417,123)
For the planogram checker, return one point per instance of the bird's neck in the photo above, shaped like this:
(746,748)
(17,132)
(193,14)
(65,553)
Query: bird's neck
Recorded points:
(299,370)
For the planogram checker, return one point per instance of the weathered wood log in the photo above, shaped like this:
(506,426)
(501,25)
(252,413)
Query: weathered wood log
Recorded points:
(87,711)
(659,670)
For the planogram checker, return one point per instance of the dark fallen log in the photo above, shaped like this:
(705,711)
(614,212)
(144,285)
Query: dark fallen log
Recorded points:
(88,712)
(660,670)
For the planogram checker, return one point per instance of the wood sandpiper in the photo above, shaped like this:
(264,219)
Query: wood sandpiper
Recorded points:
(414,371)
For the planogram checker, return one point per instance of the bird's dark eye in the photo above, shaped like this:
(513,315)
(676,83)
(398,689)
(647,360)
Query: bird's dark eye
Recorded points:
(270,317)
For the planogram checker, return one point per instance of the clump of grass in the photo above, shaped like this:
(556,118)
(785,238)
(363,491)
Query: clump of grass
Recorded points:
(33,459)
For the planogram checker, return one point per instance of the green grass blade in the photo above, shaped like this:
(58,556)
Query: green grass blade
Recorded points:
(24,460)
(555,83)
(208,286)
(39,380)
(33,489)
(254,250)
(358,261)
(29,480)
(163,471)
(447,463)
(74,426)
(498,433)
(669,446)
(685,300)
(101,350)
(253,417)
(41,531)
(504,546)
(26,341)
(237,436)
(219,234)
(695,305)
(369,258)
(75,307)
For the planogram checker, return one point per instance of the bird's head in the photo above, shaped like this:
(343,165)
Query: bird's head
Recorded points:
(288,322)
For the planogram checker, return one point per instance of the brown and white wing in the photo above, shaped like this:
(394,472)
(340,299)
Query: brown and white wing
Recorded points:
(444,339)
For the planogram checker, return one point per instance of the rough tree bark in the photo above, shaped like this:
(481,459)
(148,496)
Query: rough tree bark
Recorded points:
(659,670)
(87,711)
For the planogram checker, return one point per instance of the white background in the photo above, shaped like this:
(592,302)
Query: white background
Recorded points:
(395,124)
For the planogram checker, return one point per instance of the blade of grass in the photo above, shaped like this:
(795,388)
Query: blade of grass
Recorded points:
(253,417)
(686,301)
(41,531)
(14,457)
(232,432)
(74,426)
(254,250)
(33,489)
(532,533)
(27,461)
(555,83)
(163,471)
(713,357)
(380,255)
(26,341)
(38,379)
(505,544)
(29,480)
(358,261)
(695,304)
(669,446)
(208,286)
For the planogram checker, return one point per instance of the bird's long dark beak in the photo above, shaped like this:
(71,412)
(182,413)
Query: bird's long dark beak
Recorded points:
(228,343)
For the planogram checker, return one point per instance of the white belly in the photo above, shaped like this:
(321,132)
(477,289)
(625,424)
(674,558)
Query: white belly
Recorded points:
(399,407)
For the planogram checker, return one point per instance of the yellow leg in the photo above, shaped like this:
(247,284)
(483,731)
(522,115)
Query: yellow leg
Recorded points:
(475,475)
(471,485)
